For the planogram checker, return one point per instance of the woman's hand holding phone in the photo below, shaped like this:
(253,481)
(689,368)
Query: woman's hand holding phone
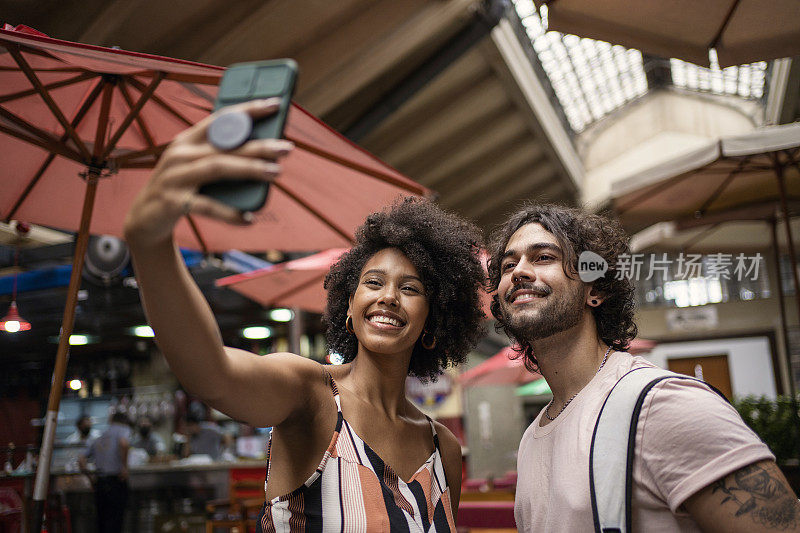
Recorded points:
(190,162)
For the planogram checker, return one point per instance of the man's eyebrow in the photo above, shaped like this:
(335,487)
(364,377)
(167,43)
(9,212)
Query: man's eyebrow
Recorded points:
(533,247)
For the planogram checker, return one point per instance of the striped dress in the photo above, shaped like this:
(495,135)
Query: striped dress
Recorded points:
(353,490)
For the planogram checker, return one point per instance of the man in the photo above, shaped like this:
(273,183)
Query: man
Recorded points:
(109,452)
(147,440)
(697,466)
(204,436)
(84,433)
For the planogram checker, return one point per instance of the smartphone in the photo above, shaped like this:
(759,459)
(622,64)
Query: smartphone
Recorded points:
(250,81)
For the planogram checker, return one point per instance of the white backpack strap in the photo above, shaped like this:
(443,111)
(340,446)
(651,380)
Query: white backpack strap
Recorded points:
(611,453)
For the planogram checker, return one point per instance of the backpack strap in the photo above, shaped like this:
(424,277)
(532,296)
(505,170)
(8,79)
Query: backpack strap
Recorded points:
(613,446)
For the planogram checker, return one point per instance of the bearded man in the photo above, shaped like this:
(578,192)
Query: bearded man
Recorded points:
(697,466)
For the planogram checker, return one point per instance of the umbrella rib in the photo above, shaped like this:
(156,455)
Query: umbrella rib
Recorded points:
(134,112)
(49,144)
(196,231)
(357,167)
(658,189)
(275,299)
(124,161)
(55,85)
(102,122)
(715,41)
(91,98)
(31,75)
(718,191)
(43,139)
(139,120)
(314,211)
(141,87)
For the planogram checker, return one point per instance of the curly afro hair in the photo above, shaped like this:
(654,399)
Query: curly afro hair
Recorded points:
(444,249)
(576,231)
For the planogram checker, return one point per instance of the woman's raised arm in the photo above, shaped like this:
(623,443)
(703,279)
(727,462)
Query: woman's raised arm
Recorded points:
(262,391)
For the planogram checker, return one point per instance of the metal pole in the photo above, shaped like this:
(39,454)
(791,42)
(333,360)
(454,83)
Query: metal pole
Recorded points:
(296,330)
(781,303)
(792,258)
(62,355)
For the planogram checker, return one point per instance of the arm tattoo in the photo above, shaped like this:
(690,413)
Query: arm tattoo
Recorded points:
(762,496)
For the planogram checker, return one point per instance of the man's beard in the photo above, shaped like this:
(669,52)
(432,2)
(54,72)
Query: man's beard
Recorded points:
(559,313)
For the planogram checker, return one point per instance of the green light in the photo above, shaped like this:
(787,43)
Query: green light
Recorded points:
(281,315)
(143,331)
(78,340)
(256,332)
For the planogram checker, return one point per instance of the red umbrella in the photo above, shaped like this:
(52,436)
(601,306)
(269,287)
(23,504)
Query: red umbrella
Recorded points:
(501,369)
(296,283)
(81,125)
(72,111)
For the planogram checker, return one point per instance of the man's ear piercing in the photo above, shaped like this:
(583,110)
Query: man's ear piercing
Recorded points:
(594,302)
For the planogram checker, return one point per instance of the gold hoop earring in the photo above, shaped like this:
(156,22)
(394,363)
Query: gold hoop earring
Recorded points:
(348,325)
(429,345)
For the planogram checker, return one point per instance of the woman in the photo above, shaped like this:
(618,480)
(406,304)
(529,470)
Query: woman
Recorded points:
(348,450)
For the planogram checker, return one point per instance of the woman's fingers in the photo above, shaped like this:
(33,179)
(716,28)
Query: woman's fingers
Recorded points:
(222,167)
(255,108)
(199,204)
(267,149)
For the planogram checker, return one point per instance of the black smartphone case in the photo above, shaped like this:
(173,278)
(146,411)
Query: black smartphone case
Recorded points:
(250,81)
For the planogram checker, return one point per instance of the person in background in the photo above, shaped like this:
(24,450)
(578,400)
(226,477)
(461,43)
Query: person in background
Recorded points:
(84,432)
(205,436)
(147,439)
(109,454)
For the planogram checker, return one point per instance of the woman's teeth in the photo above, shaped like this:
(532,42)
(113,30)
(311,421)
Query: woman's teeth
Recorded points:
(386,320)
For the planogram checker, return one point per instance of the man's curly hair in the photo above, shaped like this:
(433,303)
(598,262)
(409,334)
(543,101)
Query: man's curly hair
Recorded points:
(444,249)
(576,231)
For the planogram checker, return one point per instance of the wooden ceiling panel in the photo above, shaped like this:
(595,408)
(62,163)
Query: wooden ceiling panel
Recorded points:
(539,178)
(505,163)
(469,70)
(498,132)
(464,112)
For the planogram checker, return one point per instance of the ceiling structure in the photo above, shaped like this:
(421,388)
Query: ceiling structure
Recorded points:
(447,91)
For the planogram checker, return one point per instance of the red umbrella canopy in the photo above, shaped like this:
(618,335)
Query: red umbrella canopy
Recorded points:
(66,108)
(499,369)
(299,283)
(296,283)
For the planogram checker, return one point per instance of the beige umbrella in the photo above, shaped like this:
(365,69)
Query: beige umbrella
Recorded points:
(754,176)
(741,31)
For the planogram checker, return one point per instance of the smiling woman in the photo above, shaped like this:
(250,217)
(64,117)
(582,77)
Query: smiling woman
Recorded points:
(348,451)
(440,250)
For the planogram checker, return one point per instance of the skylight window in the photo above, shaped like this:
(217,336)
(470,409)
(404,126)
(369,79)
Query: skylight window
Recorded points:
(593,78)
(746,81)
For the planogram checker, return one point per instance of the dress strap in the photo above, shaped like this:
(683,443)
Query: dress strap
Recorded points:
(334,390)
(433,430)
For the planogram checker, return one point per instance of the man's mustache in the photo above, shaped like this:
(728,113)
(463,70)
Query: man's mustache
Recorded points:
(538,290)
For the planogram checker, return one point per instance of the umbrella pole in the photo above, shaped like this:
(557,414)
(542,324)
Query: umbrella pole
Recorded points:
(781,303)
(793,259)
(62,355)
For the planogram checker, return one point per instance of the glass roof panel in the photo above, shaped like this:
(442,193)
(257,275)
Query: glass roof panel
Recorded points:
(593,78)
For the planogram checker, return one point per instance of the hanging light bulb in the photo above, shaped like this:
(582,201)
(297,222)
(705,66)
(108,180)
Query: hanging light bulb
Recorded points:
(12,322)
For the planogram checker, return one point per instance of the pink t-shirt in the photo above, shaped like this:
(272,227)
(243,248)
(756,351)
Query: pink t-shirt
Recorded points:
(687,438)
